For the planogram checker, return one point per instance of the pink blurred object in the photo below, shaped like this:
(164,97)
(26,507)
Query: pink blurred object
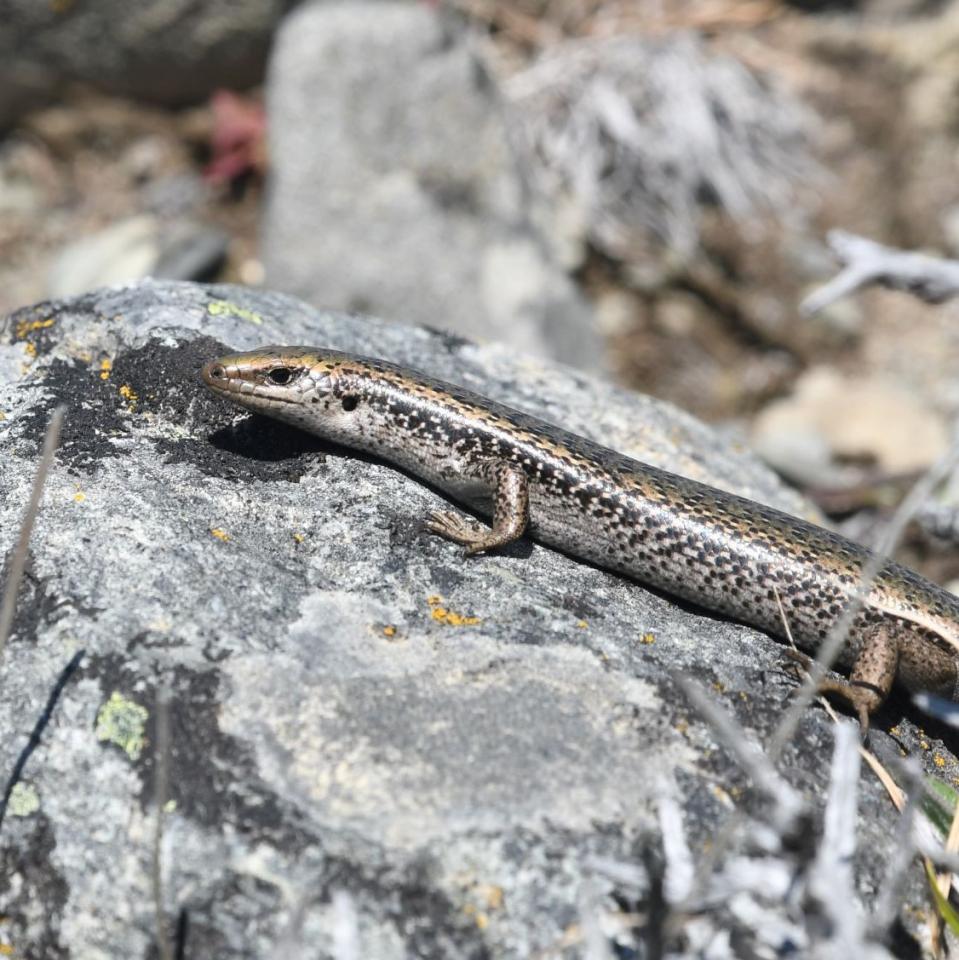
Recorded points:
(238,138)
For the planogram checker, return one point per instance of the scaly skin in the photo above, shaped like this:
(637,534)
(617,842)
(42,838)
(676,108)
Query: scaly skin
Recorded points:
(718,550)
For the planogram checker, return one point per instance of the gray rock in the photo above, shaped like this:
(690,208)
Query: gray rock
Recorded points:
(394,189)
(372,740)
(160,50)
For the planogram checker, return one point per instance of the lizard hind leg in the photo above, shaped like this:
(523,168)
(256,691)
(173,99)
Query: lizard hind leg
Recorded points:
(872,674)
(891,650)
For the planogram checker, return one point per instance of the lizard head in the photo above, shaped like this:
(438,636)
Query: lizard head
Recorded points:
(305,386)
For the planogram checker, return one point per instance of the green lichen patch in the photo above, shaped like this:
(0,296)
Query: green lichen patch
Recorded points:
(122,722)
(24,800)
(217,308)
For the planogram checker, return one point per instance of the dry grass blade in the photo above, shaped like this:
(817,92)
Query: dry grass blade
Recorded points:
(19,557)
(831,883)
(944,879)
(885,910)
(346,927)
(594,943)
(787,804)
(161,764)
(944,882)
(680,868)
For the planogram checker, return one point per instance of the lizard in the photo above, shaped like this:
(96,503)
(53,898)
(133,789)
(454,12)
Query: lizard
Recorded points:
(723,552)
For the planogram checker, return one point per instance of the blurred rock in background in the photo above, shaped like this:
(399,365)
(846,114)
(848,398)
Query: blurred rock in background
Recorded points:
(394,188)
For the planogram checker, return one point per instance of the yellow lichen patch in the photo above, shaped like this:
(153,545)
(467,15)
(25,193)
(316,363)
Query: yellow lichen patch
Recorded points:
(3,416)
(718,686)
(453,618)
(218,308)
(647,639)
(494,896)
(79,496)
(122,722)
(389,631)
(130,395)
(6,950)
(939,760)
(443,615)
(220,534)
(482,921)
(24,800)
(582,624)
(26,327)
(299,537)
(106,368)
(31,349)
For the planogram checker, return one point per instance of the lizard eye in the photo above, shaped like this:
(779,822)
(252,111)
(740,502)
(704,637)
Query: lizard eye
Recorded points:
(281,376)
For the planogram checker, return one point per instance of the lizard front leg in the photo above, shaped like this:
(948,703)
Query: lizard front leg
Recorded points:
(510,515)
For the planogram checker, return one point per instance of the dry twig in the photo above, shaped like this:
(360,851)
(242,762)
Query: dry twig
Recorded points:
(866,262)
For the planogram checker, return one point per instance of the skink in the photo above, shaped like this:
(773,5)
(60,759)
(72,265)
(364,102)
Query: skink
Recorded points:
(721,551)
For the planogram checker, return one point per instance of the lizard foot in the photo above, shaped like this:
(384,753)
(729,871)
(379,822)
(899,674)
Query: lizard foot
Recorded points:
(455,527)
(863,698)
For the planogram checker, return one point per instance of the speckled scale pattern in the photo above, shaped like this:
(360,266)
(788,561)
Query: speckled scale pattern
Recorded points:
(718,550)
